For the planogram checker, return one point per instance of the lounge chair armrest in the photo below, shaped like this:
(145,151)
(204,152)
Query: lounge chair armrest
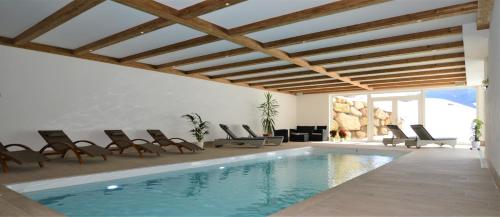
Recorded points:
(142,140)
(19,145)
(85,141)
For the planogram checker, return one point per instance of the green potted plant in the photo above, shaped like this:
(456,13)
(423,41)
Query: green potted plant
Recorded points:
(200,127)
(269,111)
(477,125)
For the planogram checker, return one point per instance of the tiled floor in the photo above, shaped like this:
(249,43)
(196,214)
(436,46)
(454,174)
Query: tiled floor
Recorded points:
(426,182)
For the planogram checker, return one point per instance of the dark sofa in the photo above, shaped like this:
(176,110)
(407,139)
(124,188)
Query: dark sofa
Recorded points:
(309,133)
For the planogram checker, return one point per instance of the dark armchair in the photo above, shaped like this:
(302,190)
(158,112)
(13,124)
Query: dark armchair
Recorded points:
(281,132)
(319,134)
(309,133)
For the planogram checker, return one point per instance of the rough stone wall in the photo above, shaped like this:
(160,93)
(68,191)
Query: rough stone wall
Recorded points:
(352,116)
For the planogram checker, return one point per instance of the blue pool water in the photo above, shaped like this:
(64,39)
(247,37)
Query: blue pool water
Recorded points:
(248,188)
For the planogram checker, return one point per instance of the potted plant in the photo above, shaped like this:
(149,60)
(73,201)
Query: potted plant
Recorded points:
(333,134)
(200,127)
(269,111)
(477,125)
(342,134)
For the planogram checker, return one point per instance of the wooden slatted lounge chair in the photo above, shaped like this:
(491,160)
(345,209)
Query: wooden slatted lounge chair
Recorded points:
(122,141)
(232,139)
(27,155)
(398,136)
(424,138)
(270,140)
(58,141)
(162,140)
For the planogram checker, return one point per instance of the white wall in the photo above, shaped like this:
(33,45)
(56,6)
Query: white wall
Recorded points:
(493,92)
(313,109)
(45,91)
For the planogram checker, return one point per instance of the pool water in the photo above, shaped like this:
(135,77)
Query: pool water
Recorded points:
(257,187)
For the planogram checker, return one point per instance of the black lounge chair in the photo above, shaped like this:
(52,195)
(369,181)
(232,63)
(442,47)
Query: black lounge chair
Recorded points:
(424,138)
(162,140)
(398,136)
(122,141)
(232,139)
(58,141)
(27,155)
(270,140)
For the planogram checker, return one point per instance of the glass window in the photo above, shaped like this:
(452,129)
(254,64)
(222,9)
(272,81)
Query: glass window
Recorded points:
(449,112)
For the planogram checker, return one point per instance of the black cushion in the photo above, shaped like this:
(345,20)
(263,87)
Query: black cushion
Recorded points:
(305,129)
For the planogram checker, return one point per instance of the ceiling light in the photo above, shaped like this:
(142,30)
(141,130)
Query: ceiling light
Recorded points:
(91,50)
(142,32)
(418,21)
(227,4)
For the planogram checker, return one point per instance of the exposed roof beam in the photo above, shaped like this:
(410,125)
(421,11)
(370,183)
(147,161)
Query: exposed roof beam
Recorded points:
(303,88)
(337,48)
(329,90)
(267,77)
(484,11)
(403,51)
(411,74)
(255,71)
(418,83)
(195,10)
(414,79)
(319,11)
(73,9)
(169,13)
(406,68)
(329,81)
(232,65)
(397,62)
(438,13)
(291,80)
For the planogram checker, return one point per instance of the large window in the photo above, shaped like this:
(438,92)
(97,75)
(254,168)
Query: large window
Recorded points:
(449,112)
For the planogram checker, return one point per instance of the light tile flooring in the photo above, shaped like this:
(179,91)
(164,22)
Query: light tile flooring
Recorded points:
(425,182)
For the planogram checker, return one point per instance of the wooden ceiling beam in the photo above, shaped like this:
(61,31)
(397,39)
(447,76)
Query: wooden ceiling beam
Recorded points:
(406,68)
(305,88)
(344,47)
(267,77)
(439,13)
(411,74)
(414,79)
(255,71)
(311,13)
(68,12)
(329,90)
(329,81)
(389,53)
(483,16)
(195,10)
(397,62)
(232,65)
(169,13)
(291,80)
(419,83)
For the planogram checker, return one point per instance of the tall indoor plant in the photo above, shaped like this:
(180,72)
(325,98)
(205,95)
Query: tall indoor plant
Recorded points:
(200,127)
(269,111)
(477,125)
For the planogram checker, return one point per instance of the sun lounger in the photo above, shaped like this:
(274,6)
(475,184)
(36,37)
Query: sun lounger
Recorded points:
(26,155)
(398,136)
(162,140)
(232,139)
(58,141)
(122,142)
(270,140)
(424,138)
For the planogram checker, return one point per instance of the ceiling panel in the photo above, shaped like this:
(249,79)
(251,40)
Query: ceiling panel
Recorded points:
(351,17)
(179,4)
(159,38)
(191,52)
(256,10)
(245,68)
(221,61)
(18,15)
(103,20)
(404,65)
(383,33)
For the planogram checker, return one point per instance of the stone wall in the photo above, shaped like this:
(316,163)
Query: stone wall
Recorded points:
(352,116)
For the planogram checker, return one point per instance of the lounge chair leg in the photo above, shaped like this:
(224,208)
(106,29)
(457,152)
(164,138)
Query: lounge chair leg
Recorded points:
(180,149)
(79,158)
(157,153)
(5,169)
(40,164)
(104,157)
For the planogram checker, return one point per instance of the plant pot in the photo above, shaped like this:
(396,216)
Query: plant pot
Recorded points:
(475,145)
(200,144)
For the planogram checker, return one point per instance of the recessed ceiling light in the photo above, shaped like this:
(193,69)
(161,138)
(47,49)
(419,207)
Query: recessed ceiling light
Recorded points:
(91,50)
(227,3)
(418,21)
(142,32)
